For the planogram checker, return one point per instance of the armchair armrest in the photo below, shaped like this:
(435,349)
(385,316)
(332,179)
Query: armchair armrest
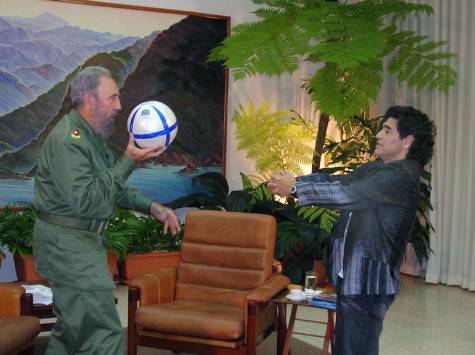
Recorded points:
(156,287)
(268,290)
(10,295)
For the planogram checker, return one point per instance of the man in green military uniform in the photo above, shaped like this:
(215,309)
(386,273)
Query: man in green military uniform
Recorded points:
(78,185)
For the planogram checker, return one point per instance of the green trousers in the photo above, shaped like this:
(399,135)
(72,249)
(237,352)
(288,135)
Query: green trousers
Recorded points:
(75,265)
(87,323)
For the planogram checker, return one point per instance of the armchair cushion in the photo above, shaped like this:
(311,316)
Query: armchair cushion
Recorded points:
(17,332)
(193,318)
(156,287)
(10,294)
(268,290)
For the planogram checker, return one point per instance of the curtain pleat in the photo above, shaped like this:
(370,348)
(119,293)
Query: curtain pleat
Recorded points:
(453,166)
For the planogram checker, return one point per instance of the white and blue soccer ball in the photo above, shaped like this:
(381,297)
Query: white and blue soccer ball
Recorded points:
(152,123)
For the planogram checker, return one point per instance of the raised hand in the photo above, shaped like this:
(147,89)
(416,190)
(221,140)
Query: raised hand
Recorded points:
(138,154)
(166,216)
(279,183)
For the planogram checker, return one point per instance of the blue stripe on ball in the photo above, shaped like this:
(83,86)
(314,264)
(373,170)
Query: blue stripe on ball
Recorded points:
(166,131)
(132,120)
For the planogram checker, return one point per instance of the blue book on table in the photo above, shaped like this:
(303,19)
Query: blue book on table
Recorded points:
(322,304)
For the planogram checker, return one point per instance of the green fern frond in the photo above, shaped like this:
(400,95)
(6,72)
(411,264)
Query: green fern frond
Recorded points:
(287,4)
(265,13)
(344,92)
(278,141)
(263,47)
(325,216)
(415,63)
(351,40)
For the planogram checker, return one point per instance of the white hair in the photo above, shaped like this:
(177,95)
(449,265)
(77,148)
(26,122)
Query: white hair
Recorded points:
(87,80)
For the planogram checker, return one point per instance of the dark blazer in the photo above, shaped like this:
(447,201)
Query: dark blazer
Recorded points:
(378,204)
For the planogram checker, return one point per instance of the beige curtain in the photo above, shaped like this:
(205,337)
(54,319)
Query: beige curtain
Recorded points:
(453,166)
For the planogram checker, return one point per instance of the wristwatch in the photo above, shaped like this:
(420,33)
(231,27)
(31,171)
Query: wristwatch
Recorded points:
(293,190)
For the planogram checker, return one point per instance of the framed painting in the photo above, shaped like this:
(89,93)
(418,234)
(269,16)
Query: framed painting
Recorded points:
(153,54)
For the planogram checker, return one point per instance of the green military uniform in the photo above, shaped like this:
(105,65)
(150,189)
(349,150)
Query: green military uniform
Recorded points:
(78,186)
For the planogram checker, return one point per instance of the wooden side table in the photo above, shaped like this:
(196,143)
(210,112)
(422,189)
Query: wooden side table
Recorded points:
(284,331)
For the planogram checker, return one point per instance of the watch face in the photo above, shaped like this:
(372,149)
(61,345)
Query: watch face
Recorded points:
(293,189)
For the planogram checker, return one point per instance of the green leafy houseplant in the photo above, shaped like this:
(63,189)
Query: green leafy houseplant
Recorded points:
(146,248)
(17,223)
(16,234)
(128,233)
(282,141)
(329,33)
(278,141)
(16,229)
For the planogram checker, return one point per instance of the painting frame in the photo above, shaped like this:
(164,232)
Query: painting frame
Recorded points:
(138,9)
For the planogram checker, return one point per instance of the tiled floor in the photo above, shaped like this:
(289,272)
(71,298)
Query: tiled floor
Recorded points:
(424,320)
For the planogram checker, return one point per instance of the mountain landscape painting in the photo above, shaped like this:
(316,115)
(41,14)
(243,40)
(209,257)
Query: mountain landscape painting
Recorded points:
(152,56)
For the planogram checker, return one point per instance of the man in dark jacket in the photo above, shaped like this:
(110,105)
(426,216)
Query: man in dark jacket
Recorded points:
(379,204)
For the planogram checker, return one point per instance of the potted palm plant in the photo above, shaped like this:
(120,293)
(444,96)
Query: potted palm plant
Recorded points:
(147,248)
(16,233)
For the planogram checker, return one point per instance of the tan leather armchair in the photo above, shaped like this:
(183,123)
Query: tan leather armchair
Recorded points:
(217,301)
(16,331)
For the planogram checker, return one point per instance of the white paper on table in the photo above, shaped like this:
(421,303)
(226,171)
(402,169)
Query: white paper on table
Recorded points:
(41,294)
(312,293)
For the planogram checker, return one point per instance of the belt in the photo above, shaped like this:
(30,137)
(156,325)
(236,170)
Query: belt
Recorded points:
(97,226)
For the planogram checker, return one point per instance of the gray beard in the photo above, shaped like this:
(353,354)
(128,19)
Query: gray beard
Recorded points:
(103,126)
(105,129)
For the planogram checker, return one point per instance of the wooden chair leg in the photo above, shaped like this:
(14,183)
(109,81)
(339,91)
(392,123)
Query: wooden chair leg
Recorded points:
(134,296)
(330,329)
(290,329)
(281,327)
(252,329)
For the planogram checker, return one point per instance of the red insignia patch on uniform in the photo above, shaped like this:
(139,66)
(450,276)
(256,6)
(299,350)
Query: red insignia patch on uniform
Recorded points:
(75,134)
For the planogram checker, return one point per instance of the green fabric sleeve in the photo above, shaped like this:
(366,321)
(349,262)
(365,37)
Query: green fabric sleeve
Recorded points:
(123,167)
(129,197)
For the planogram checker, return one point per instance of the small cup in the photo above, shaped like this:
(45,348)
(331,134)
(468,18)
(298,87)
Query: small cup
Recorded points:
(296,293)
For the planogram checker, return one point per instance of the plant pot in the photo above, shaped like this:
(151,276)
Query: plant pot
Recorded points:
(25,268)
(112,260)
(319,268)
(138,264)
(276,266)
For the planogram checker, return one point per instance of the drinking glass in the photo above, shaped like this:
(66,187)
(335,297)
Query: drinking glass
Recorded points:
(310,283)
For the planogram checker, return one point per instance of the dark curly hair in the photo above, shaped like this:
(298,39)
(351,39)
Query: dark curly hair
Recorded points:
(413,122)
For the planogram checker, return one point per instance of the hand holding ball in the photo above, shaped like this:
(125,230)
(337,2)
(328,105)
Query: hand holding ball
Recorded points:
(152,123)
